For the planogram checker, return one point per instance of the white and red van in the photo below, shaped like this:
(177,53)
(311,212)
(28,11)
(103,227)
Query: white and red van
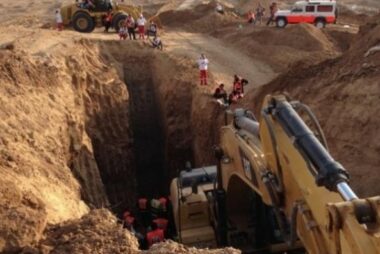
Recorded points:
(319,12)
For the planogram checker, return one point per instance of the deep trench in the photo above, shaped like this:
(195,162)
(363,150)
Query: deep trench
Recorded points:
(148,138)
(142,141)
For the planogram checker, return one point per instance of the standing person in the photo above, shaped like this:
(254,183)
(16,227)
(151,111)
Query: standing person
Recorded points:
(260,13)
(108,21)
(251,17)
(141,26)
(131,27)
(59,20)
(152,30)
(123,31)
(203,66)
(272,10)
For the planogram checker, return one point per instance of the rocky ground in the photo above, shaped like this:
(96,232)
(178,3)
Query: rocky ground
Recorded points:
(81,114)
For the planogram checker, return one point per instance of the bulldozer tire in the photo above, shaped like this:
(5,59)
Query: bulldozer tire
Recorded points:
(82,22)
(118,21)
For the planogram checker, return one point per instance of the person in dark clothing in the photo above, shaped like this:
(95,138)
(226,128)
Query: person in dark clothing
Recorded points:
(220,93)
(108,21)
(272,10)
(131,25)
(152,29)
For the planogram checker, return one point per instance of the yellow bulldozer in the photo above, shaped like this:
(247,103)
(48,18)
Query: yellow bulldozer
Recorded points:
(84,18)
(275,189)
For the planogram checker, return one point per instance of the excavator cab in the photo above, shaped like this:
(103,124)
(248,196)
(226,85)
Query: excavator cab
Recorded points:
(190,195)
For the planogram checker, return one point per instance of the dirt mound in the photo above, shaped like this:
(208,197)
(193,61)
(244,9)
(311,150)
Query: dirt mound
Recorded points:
(97,231)
(344,93)
(280,47)
(173,247)
(202,18)
(23,216)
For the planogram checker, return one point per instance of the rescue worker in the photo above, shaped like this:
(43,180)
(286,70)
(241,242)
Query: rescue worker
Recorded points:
(260,12)
(108,21)
(144,211)
(126,214)
(156,42)
(123,32)
(59,20)
(155,236)
(141,26)
(163,204)
(203,66)
(162,223)
(131,26)
(273,10)
(152,30)
(251,17)
(220,93)
(233,97)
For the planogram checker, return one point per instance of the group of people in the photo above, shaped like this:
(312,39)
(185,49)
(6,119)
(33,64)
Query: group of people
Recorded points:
(237,91)
(220,93)
(150,223)
(256,16)
(129,26)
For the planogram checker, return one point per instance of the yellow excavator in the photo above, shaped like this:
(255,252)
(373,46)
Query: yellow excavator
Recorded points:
(84,18)
(275,189)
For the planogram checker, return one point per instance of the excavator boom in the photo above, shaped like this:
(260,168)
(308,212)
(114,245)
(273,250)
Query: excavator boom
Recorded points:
(275,189)
(289,169)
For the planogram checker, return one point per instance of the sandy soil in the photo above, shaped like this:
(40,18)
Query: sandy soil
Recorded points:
(66,142)
(224,61)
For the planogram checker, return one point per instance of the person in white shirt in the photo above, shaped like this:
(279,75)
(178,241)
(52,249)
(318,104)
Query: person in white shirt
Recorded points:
(203,66)
(59,20)
(141,26)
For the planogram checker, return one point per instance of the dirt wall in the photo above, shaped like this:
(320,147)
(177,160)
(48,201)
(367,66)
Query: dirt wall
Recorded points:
(51,116)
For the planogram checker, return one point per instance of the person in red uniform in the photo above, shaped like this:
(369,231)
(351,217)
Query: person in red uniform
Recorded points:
(237,86)
(203,66)
(155,236)
(161,223)
(144,213)
(108,21)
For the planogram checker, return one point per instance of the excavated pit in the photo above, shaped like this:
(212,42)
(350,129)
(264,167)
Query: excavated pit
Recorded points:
(148,136)
(147,139)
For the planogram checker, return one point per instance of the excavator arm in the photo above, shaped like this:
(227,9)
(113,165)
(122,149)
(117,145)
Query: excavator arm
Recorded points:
(305,193)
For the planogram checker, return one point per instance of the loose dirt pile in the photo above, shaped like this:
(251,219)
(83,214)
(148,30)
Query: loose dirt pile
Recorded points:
(96,232)
(201,19)
(344,93)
